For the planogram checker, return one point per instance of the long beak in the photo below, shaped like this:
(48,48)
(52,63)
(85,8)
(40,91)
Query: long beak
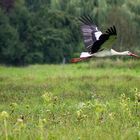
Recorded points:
(134,55)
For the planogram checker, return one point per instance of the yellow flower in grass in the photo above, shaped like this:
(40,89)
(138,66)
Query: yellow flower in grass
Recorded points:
(19,124)
(137,97)
(78,113)
(47,97)
(42,122)
(111,115)
(20,121)
(4,115)
(13,105)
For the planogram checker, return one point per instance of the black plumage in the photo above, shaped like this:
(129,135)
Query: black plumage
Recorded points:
(94,40)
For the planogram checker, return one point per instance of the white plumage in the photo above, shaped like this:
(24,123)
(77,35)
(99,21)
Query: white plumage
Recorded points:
(97,35)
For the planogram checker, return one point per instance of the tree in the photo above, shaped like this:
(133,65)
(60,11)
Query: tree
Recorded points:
(47,31)
(11,51)
(7,5)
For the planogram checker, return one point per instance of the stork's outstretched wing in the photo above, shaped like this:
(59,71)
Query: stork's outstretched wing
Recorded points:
(90,32)
(94,40)
(105,41)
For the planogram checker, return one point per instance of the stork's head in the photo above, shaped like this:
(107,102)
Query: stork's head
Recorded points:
(132,54)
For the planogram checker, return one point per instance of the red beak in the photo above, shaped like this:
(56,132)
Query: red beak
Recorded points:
(134,55)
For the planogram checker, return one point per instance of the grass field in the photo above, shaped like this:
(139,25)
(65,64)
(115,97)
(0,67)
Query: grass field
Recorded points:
(87,101)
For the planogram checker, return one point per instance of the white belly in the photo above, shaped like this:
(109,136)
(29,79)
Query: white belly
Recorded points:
(102,53)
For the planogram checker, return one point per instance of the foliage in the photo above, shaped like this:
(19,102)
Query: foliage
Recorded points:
(47,31)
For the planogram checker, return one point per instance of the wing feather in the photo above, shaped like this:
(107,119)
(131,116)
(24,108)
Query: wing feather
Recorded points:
(94,40)
(90,32)
(105,41)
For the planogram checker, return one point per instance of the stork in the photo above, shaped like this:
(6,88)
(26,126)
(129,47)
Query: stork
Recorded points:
(98,44)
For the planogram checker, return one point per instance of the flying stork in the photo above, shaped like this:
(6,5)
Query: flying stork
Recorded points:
(98,44)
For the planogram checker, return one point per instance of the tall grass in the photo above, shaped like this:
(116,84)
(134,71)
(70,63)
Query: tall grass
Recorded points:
(95,100)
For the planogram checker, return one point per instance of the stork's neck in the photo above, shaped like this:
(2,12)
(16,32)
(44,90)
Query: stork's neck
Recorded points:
(113,52)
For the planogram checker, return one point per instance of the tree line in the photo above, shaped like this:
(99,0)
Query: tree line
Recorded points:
(47,31)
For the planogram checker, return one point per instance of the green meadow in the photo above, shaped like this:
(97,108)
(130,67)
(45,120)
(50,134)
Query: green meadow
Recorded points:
(96,100)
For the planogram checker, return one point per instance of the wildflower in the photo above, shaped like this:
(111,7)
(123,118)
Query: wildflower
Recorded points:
(81,105)
(137,97)
(42,123)
(81,115)
(19,124)
(47,97)
(4,115)
(22,117)
(78,113)
(13,105)
(99,108)
(79,138)
(85,116)
(125,105)
(55,98)
(89,104)
(48,110)
(20,120)
(123,95)
(111,115)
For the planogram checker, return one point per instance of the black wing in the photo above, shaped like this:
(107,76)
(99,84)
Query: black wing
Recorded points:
(105,40)
(90,32)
